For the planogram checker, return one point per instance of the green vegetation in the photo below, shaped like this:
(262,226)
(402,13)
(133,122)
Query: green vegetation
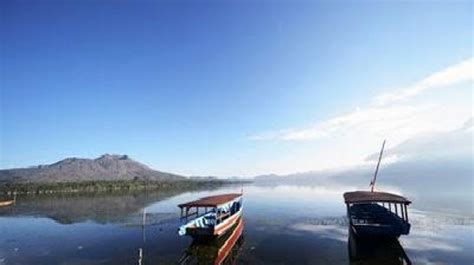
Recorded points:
(104,186)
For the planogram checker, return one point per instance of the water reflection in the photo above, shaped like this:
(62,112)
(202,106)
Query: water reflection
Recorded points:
(223,250)
(283,225)
(76,208)
(376,251)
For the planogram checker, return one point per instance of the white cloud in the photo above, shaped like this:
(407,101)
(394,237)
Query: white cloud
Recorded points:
(383,117)
(346,140)
(373,118)
(455,74)
(433,145)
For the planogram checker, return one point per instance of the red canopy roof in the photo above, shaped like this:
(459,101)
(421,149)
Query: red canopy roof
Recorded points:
(211,201)
(367,196)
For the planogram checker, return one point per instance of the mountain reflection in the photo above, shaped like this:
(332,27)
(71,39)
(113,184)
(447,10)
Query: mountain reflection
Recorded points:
(374,252)
(74,208)
(223,250)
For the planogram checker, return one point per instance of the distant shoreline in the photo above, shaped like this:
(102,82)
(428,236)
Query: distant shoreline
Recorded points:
(107,186)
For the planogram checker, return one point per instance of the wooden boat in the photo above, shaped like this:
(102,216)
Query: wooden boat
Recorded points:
(377,214)
(6,203)
(222,250)
(219,214)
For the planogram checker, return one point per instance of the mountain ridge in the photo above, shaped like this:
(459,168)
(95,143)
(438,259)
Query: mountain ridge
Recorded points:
(107,167)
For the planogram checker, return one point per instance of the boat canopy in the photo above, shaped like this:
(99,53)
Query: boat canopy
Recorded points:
(211,201)
(368,196)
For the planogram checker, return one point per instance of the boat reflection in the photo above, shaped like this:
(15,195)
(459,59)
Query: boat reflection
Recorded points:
(222,250)
(376,251)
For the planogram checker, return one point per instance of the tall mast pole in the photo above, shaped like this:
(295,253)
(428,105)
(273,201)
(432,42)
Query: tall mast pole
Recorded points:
(372,183)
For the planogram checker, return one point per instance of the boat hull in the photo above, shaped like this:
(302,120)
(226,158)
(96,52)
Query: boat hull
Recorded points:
(366,231)
(226,248)
(376,222)
(216,231)
(222,250)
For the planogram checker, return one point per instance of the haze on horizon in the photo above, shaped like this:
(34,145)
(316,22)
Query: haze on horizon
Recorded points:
(235,89)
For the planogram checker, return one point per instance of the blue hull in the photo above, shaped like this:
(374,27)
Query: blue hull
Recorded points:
(373,220)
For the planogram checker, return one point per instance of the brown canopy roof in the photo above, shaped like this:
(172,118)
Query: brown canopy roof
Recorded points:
(211,201)
(367,196)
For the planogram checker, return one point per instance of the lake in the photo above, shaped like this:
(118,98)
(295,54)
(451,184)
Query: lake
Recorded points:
(281,225)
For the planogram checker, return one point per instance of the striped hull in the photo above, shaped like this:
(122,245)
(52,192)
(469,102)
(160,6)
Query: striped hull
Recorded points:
(216,231)
(221,228)
(229,243)
(216,250)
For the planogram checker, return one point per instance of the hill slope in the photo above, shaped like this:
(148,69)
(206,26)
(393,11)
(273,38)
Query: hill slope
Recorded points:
(104,168)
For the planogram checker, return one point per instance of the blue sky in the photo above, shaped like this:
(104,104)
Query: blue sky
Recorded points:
(215,88)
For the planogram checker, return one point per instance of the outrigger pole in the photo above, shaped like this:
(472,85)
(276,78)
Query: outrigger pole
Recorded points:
(372,183)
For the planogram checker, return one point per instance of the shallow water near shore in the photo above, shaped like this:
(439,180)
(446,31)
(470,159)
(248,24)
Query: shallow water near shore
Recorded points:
(283,225)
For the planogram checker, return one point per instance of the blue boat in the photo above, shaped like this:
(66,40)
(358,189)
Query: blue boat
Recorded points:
(377,214)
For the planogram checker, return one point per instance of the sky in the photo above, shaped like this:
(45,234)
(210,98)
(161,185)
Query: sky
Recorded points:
(239,88)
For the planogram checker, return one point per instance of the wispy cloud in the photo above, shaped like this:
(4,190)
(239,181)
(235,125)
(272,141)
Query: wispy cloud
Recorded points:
(382,116)
(372,117)
(455,74)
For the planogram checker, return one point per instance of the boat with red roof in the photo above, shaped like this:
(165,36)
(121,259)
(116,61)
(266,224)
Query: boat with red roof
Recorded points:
(210,216)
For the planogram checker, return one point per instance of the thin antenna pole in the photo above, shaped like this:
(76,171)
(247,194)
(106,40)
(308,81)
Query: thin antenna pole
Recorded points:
(144,227)
(140,256)
(141,250)
(372,183)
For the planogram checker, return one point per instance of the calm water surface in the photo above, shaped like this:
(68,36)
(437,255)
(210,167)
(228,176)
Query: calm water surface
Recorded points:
(282,225)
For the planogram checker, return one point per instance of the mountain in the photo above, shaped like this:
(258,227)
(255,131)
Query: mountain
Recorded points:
(104,168)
